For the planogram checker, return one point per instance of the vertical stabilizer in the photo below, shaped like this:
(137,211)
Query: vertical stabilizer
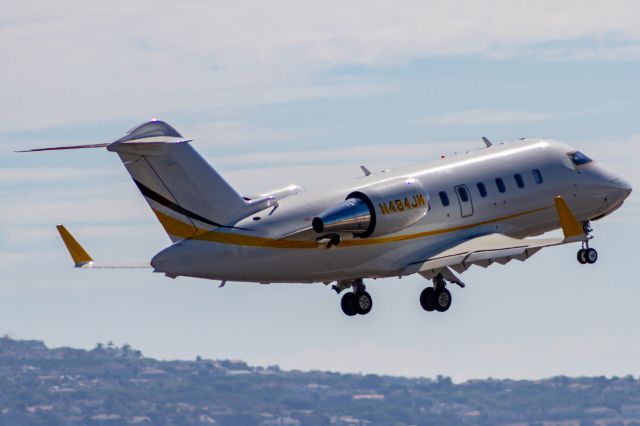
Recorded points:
(187,195)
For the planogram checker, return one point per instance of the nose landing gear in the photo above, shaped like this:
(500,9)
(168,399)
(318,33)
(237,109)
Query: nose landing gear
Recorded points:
(357,302)
(587,254)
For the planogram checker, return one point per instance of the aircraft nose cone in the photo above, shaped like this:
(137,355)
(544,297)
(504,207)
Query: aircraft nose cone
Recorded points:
(623,185)
(617,191)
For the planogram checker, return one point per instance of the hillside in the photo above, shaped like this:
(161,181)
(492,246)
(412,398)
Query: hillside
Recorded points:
(117,386)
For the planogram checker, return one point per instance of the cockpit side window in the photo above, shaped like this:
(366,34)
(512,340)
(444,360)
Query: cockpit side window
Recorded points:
(578,158)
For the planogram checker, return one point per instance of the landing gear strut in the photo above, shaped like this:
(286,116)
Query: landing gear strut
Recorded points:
(357,302)
(436,298)
(587,254)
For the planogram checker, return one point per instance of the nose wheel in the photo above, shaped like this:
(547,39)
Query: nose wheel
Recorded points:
(587,255)
(357,302)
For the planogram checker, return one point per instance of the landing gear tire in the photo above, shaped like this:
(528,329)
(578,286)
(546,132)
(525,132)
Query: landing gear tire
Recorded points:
(428,299)
(582,258)
(348,304)
(363,302)
(443,300)
(588,255)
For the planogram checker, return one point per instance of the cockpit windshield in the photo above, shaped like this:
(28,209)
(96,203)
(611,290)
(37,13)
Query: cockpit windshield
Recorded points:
(578,158)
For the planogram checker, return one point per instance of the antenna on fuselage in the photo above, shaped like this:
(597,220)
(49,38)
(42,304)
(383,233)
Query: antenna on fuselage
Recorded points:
(487,142)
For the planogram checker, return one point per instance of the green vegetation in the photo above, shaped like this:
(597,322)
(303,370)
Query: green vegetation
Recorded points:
(118,386)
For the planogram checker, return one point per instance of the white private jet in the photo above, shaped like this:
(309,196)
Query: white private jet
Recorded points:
(435,219)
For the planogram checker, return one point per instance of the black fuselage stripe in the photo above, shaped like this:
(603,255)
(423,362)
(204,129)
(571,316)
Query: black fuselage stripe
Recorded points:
(148,192)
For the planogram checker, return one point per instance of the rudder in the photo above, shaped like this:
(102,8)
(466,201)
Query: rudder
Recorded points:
(187,195)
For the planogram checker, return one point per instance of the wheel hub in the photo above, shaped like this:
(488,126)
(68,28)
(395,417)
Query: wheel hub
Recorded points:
(364,302)
(443,299)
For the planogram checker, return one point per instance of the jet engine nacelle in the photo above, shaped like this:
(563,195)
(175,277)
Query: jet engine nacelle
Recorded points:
(376,210)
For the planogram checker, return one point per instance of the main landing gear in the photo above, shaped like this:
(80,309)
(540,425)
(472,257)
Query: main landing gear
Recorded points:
(587,254)
(357,302)
(436,298)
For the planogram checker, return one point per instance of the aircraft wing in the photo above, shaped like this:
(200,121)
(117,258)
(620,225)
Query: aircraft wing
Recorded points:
(82,259)
(496,248)
(485,250)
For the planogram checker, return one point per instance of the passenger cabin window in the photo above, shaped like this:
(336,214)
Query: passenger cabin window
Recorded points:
(578,158)
(519,181)
(444,198)
(500,185)
(537,176)
(462,192)
(482,189)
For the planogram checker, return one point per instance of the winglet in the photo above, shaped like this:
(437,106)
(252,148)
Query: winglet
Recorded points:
(570,225)
(78,254)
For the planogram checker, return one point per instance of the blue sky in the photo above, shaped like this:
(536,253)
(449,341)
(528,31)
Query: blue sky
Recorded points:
(285,94)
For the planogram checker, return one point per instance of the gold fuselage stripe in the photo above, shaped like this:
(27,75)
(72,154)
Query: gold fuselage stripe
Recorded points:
(180,229)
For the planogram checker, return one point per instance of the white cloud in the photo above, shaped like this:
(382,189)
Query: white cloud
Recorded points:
(90,208)
(389,155)
(483,116)
(78,62)
(30,236)
(14,175)
(233,132)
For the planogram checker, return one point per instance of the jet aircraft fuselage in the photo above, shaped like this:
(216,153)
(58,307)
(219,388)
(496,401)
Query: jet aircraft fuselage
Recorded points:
(507,189)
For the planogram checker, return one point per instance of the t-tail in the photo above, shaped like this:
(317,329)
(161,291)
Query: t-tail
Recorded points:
(186,194)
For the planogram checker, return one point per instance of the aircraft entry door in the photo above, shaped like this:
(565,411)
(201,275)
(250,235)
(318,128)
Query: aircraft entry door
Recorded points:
(464,198)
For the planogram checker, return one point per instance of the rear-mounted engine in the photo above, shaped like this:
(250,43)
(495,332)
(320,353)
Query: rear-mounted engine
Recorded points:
(380,209)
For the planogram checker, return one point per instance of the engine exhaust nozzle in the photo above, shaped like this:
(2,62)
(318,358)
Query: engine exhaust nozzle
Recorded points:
(351,215)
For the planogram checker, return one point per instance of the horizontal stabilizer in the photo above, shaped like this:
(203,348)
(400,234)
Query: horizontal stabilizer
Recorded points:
(82,259)
(59,148)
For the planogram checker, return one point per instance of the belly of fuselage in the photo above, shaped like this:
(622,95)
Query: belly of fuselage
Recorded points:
(365,259)
(262,264)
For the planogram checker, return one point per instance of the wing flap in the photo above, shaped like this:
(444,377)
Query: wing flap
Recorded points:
(484,251)
(488,249)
